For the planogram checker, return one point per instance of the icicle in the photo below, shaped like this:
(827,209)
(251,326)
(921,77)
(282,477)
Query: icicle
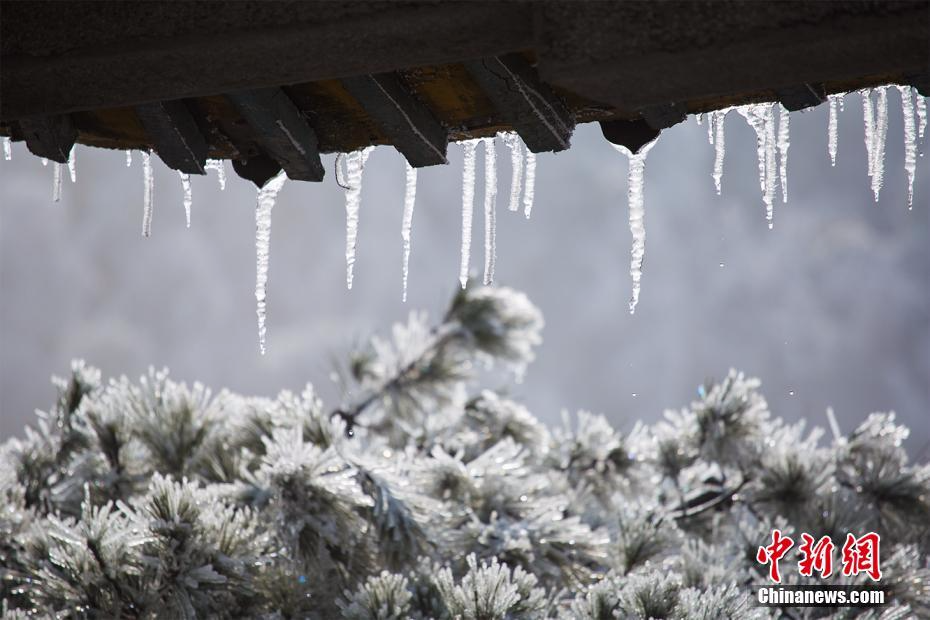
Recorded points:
(72,164)
(128,158)
(878,149)
(712,127)
(717,120)
(635,183)
(188,198)
(529,191)
(266,199)
(783,144)
(868,120)
(490,209)
(56,182)
(910,141)
(761,118)
(468,205)
(44,161)
(147,194)
(699,119)
(921,117)
(7,149)
(410,198)
(219,166)
(515,144)
(355,165)
(832,128)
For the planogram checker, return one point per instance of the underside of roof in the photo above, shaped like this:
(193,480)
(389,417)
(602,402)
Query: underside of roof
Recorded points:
(271,85)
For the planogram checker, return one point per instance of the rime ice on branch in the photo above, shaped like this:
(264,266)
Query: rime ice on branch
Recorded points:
(266,199)
(410,198)
(148,194)
(635,183)
(355,166)
(490,209)
(468,206)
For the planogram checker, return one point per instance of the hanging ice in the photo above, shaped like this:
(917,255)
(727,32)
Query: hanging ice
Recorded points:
(355,165)
(128,158)
(875,118)
(468,206)
(72,164)
(217,164)
(921,115)
(188,198)
(266,198)
(44,161)
(761,118)
(635,182)
(148,192)
(783,144)
(490,209)
(410,198)
(515,144)
(7,149)
(56,182)
(529,190)
(910,141)
(717,121)
(712,127)
(832,127)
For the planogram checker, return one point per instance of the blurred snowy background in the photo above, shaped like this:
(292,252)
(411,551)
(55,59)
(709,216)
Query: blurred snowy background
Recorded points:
(831,308)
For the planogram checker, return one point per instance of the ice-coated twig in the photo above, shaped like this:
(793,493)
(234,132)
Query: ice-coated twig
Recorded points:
(635,199)
(529,190)
(515,144)
(188,197)
(468,207)
(266,199)
(148,194)
(783,144)
(355,166)
(410,198)
(490,209)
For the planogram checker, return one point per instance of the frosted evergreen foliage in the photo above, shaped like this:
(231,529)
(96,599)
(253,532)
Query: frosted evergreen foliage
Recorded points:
(422,495)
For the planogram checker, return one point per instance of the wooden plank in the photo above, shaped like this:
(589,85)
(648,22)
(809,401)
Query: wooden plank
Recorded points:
(665,115)
(524,102)
(802,96)
(257,169)
(49,136)
(281,131)
(409,124)
(631,134)
(175,135)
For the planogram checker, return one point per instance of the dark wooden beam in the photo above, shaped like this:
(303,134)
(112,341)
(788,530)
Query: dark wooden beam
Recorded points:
(524,102)
(258,169)
(631,134)
(282,131)
(665,115)
(49,136)
(802,96)
(411,127)
(175,134)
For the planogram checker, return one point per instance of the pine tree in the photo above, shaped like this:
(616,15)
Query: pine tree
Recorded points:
(423,496)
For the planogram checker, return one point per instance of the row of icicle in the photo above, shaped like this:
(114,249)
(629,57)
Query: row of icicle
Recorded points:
(772,143)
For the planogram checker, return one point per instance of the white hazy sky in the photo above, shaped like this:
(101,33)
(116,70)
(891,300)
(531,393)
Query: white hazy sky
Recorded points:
(831,308)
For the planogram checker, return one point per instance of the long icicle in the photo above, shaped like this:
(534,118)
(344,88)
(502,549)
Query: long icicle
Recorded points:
(832,129)
(712,127)
(490,209)
(468,207)
(529,190)
(219,166)
(921,115)
(72,164)
(868,121)
(355,166)
(878,149)
(7,148)
(635,186)
(56,182)
(910,141)
(783,144)
(515,144)
(410,198)
(717,119)
(128,158)
(188,197)
(760,118)
(266,199)
(148,194)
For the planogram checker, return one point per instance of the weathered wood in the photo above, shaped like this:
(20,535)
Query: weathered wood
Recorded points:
(631,134)
(282,131)
(49,136)
(258,169)
(524,102)
(175,134)
(801,97)
(411,127)
(664,116)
